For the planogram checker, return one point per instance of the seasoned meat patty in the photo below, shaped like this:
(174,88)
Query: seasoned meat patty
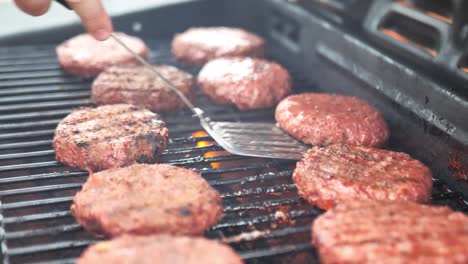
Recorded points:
(248,83)
(391,232)
(200,45)
(338,174)
(86,57)
(159,249)
(146,199)
(139,86)
(325,119)
(109,136)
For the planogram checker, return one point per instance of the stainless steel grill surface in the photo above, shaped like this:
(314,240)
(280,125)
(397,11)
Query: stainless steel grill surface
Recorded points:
(265,219)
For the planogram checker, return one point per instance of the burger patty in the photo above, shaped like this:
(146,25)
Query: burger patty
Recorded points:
(248,83)
(338,174)
(139,86)
(325,119)
(391,232)
(147,199)
(200,45)
(109,136)
(86,57)
(159,249)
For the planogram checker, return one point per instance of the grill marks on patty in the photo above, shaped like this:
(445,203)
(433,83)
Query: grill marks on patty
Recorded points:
(113,126)
(147,199)
(339,174)
(109,136)
(139,86)
(391,232)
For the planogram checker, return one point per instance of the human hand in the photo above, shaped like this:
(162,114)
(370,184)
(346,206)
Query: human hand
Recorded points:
(91,12)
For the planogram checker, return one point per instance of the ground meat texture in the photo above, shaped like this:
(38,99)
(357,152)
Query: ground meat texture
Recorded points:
(325,119)
(248,83)
(339,174)
(200,45)
(139,86)
(159,249)
(109,136)
(391,232)
(86,57)
(147,199)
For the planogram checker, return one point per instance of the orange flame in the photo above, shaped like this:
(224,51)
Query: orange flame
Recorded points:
(200,133)
(430,13)
(402,38)
(208,154)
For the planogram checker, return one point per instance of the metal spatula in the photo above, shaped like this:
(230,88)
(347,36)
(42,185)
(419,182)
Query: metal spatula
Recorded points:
(246,139)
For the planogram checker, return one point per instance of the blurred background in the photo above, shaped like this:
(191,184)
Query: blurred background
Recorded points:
(14,21)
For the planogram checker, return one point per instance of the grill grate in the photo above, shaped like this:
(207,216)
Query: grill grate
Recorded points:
(265,219)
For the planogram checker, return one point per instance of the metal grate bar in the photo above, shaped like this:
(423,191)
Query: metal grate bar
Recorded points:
(41,232)
(27,155)
(274,251)
(260,190)
(42,105)
(179,151)
(200,159)
(265,218)
(30,68)
(261,204)
(59,261)
(30,190)
(42,97)
(264,164)
(44,89)
(254,178)
(42,81)
(32,55)
(49,247)
(28,134)
(22,62)
(32,124)
(267,234)
(31,75)
(61,112)
(42,176)
(36,217)
(46,164)
(26,144)
(19,205)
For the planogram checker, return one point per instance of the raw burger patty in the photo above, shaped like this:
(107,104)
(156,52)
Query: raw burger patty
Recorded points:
(139,86)
(248,83)
(325,119)
(86,57)
(109,136)
(391,232)
(159,249)
(200,45)
(146,199)
(338,174)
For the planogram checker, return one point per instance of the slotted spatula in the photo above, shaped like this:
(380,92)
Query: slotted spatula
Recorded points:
(264,140)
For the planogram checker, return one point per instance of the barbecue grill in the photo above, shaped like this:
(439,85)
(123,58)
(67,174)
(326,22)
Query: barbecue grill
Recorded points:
(414,72)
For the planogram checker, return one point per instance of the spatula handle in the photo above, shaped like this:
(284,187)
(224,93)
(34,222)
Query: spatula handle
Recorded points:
(64,3)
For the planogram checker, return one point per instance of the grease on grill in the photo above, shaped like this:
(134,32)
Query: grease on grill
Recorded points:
(458,163)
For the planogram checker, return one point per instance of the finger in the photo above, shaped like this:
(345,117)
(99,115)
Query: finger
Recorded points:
(33,7)
(93,16)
